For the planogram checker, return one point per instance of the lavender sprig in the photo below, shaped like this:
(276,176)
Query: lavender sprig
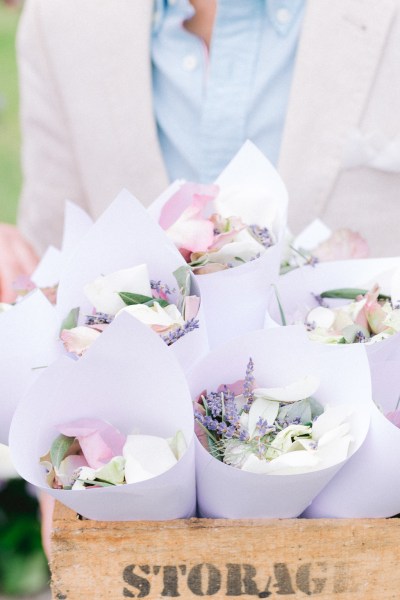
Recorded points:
(262,235)
(176,334)
(160,288)
(248,385)
(99,318)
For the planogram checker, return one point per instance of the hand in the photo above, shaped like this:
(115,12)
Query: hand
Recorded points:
(16,258)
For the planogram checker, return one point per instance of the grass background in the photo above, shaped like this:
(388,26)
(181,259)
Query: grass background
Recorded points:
(23,567)
(10,173)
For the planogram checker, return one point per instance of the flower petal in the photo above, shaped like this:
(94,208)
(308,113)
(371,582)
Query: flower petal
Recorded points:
(298,390)
(188,194)
(146,456)
(267,410)
(79,339)
(99,441)
(103,292)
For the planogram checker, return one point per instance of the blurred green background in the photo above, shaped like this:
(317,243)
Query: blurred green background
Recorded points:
(23,567)
(10,173)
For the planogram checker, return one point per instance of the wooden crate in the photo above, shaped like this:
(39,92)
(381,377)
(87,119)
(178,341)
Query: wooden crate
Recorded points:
(328,558)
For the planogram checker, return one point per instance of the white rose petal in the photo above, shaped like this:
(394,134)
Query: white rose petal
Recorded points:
(103,291)
(245,247)
(330,419)
(298,390)
(321,316)
(154,315)
(146,456)
(79,339)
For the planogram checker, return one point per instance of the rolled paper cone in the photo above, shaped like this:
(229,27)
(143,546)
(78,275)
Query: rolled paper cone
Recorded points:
(368,486)
(281,356)
(235,300)
(29,332)
(123,237)
(131,380)
(297,290)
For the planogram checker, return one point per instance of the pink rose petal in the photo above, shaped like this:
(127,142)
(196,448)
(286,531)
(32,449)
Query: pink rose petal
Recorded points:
(343,244)
(192,305)
(99,440)
(183,198)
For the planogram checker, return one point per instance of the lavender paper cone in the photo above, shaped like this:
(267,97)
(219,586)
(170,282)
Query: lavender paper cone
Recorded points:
(280,356)
(235,300)
(125,236)
(130,379)
(369,485)
(28,332)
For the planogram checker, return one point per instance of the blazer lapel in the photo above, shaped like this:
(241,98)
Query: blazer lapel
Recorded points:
(339,51)
(129,87)
(109,96)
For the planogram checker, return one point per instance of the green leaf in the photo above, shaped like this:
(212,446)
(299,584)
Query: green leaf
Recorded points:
(297,410)
(131,299)
(316,408)
(59,449)
(350,294)
(71,320)
(96,482)
(281,312)
(182,276)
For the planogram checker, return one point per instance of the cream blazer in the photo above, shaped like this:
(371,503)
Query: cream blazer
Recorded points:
(88,125)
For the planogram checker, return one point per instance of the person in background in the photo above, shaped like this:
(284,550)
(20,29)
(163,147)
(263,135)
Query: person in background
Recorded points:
(137,93)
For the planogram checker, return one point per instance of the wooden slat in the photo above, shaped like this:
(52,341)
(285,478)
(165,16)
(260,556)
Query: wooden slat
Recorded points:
(327,558)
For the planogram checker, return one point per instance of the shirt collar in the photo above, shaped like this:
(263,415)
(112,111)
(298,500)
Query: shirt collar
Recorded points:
(281,13)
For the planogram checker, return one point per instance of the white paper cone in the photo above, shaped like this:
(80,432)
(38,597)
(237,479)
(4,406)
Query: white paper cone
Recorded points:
(76,224)
(235,300)
(123,237)
(369,484)
(296,293)
(28,332)
(281,356)
(47,273)
(130,379)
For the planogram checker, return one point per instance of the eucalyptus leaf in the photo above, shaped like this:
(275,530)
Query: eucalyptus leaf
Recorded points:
(297,410)
(350,294)
(316,407)
(131,299)
(351,332)
(59,449)
(71,320)
(182,276)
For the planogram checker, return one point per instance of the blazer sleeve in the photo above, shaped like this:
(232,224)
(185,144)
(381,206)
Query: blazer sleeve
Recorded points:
(50,171)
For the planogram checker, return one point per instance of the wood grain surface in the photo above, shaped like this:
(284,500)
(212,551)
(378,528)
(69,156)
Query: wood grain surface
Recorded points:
(341,559)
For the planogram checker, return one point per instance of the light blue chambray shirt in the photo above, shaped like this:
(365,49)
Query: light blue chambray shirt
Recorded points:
(208,103)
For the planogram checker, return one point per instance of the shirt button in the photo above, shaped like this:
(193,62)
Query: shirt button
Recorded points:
(283,16)
(189,62)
